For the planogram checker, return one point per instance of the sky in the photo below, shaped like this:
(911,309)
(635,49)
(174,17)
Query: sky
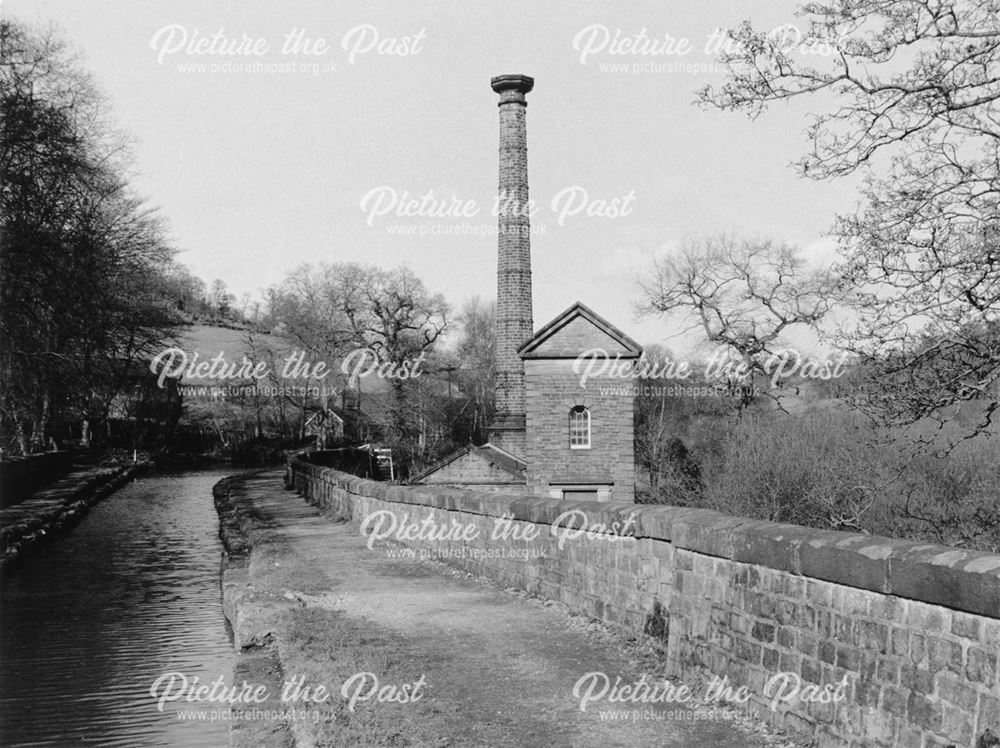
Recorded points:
(272,134)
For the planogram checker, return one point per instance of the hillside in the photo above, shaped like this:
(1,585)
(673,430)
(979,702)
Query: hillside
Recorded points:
(208,341)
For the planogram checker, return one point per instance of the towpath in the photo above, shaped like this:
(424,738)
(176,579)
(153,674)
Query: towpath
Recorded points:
(315,606)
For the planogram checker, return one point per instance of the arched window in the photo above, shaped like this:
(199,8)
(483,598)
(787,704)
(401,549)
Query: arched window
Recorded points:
(579,428)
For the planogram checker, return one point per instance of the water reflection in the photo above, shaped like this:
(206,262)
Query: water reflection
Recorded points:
(93,618)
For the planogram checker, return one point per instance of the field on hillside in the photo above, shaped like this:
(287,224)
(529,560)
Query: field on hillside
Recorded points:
(208,342)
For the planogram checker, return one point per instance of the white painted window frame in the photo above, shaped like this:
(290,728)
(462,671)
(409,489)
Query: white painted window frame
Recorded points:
(573,411)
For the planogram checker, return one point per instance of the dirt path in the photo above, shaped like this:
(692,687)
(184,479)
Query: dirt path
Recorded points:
(497,669)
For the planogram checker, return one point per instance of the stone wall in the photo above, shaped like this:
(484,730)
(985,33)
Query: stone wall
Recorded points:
(911,630)
(552,391)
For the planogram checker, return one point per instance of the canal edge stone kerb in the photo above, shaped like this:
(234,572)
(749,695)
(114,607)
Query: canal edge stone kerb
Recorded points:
(32,522)
(963,580)
(256,655)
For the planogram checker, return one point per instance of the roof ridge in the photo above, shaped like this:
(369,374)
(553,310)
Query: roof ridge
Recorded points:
(579,309)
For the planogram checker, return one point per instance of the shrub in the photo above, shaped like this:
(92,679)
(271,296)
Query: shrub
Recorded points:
(813,469)
(828,467)
(953,499)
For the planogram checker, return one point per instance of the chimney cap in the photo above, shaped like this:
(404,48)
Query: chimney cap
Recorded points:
(512,81)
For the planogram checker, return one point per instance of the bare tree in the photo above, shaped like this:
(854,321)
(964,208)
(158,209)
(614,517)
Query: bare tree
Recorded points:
(477,356)
(83,262)
(742,294)
(333,309)
(908,92)
(393,314)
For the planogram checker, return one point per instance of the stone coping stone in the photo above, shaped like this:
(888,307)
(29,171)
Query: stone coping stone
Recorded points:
(707,532)
(771,544)
(849,558)
(952,577)
(657,521)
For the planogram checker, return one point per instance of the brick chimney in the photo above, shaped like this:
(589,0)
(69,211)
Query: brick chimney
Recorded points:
(514,322)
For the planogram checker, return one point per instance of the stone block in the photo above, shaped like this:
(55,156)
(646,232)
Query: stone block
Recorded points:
(899,642)
(928,619)
(989,715)
(787,637)
(957,692)
(944,655)
(395,494)
(769,544)
(377,489)
(887,608)
(790,662)
(887,670)
(981,666)
(848,658)
(657,522)
(819,593)
(747,652)
(858,561)
(873,636)
(827,652)
(963,580)
(924,712)
(878,726)
(472,503)
(893,700)
(808,644)
(812,671)
(531,509)
(966,626)
(918,680)
(708,532)
(763,632)
(771,660)
(844,629)
(956,725)
(908,735)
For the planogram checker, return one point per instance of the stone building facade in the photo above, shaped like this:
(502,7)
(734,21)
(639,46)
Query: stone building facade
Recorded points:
(555,434)
(579,429)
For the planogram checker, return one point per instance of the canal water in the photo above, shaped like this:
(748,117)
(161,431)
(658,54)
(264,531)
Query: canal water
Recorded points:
(91,620)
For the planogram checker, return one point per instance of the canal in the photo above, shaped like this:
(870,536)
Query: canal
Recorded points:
(91,619)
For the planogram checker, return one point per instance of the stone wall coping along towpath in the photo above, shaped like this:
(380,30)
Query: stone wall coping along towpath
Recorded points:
(961,579)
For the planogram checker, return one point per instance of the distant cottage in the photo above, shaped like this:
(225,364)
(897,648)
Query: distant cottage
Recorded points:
(550,434)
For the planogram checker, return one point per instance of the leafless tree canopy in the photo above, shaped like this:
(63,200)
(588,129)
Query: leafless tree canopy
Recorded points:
(743,294)
(908,92)
(83,261)
(330,309)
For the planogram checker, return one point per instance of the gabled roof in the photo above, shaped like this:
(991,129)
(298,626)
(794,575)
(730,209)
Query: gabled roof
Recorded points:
(323,412)
(502,459)
(492,454)
(576,330)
